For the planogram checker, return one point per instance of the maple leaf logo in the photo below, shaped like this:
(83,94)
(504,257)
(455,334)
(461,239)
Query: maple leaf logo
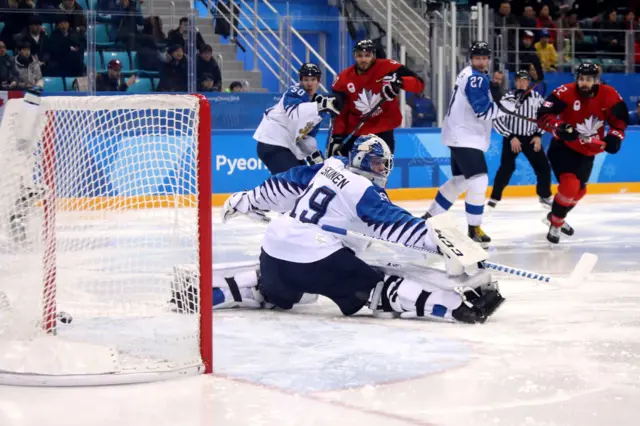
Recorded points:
(367,100)
(590,126)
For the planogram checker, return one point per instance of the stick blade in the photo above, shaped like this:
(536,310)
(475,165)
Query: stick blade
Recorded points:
(582,269)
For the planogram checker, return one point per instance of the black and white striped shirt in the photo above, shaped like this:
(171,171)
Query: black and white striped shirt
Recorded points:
(509,125)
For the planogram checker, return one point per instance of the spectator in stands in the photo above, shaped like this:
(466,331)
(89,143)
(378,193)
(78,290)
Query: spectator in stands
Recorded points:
(223,17)
(545,21)
(15,20)
(235,86)
(148,58)
(612,38)
(48,4)
(8,73)
(528,19)
(107,7)
(77,18)
(504,17)
(152,28)
(634,116)
(35,35)
(206,83)
(423,111)
(547,52)
(28,68)
(529,54)
(496,86)
(537,81)
(112,80)
(206,65)
(174,73)
(180,35)
(124,23)
(66,49)
(572,27)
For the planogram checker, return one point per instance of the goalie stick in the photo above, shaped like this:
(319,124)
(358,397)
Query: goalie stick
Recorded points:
(582,269)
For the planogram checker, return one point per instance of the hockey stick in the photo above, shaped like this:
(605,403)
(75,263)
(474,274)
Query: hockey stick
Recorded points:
(361,123)
(583,268)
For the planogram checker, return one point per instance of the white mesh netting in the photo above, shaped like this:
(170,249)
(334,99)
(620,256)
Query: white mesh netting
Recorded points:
(98,203)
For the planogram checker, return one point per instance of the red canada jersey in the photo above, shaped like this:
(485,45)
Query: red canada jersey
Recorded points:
(361,92)
(587,115)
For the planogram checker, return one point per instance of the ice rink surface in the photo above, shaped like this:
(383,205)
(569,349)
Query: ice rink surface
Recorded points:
(549,356)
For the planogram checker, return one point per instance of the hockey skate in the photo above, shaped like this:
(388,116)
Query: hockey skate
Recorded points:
(426,216)
(546,202)
(553,236)
(492,203)
(477,234)
(566,229)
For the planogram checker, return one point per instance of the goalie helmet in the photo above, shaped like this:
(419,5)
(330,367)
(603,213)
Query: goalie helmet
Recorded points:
(371,157)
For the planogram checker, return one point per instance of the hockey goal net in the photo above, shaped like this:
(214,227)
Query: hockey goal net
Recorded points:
(100,199)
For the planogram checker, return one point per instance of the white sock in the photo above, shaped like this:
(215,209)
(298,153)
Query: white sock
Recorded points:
(447,195)
(474,202)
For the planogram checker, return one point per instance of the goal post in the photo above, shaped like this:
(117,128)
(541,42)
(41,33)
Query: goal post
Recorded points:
(101,197)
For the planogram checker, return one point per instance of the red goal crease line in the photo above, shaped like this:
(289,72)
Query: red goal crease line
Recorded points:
(217,200)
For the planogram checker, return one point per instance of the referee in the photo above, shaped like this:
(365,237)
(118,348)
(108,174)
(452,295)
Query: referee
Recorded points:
(522,136)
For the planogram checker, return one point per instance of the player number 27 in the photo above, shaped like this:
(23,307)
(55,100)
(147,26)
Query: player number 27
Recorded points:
(318,203)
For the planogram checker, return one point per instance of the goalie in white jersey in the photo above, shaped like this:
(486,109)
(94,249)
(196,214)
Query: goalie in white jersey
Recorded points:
(299,257)
(467,132)
(286,134)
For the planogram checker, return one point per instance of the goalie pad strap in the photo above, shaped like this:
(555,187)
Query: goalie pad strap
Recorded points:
(234,289)
(420,302)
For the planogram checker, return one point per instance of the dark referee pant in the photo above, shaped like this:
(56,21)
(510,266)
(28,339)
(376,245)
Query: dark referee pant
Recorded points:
(538,161)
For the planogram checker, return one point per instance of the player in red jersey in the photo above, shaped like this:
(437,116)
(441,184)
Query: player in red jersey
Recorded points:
(361,87)
(575,114)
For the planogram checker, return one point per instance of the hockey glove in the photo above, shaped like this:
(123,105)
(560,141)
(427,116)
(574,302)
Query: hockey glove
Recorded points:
(613,143)
(565,132)
(391,86)
(238,204)
(329,104)
(314,158)
(335,145)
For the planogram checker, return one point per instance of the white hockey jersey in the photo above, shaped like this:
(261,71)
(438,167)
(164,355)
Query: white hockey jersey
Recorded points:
(292,123)
(330,194)
(471,112)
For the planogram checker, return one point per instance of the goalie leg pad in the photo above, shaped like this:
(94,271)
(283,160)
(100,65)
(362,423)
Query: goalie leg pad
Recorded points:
(462,252)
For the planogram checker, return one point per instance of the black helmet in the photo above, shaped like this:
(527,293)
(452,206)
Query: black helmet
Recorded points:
(479,48)
(365,46)
(523,74)
(587,68)
(309,70)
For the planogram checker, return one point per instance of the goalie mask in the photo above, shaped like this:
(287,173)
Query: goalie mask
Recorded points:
(371,158)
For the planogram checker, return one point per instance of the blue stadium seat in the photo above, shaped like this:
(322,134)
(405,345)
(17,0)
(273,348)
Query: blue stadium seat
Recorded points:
(143,85)
(53,84)
(99,64)
(1,26)
(123,57)
(155,82)
(102,37)
(68,83)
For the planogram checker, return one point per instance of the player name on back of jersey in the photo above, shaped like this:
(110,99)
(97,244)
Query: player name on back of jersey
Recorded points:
(335,176)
